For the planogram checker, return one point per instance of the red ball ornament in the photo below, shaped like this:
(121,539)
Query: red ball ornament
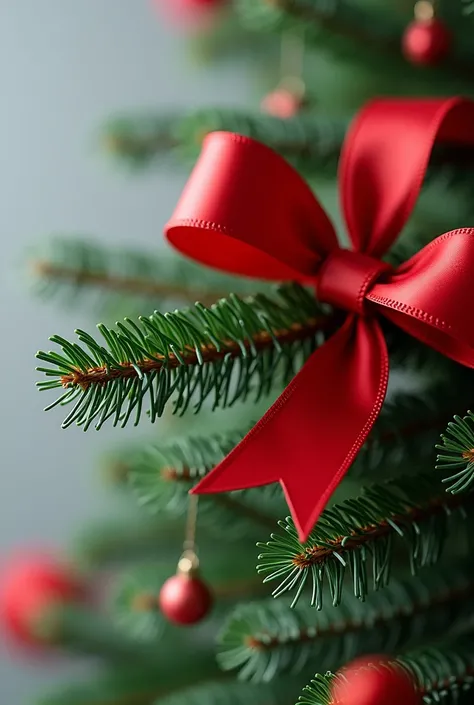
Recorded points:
(29,586)
(189,12)
(185,599)
(427,40)
(374,681)
(282,103)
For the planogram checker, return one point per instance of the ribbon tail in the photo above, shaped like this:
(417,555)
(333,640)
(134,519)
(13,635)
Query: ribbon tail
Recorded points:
(309,437)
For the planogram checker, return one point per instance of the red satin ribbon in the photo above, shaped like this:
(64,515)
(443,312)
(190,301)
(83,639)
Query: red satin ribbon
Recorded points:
(246,211)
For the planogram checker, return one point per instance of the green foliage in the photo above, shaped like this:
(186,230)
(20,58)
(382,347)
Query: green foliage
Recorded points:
(311,143)
(351,31)
(409,424)
(161,475)
(75,270)
(139,684)
(136,685)
(443,675)
(360,532)
(264,638)
(194,353)
(135,602)
(457,453)
(279,692)
(81,630)
(141,142)
(468,6)
(118,539)
(321,19)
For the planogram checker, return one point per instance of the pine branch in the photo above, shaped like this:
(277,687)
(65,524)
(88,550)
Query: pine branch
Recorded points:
(350,30)
(442,675)
(468,7)
(73,268)
(457,454)
(134,599)
(410,423)
(161,475)
(358,531)
(138,684)
(123,686)
(117,540)
(140,143)
(239,348)
(135,596)
(264,638)
(311,143)
(279,692)
(135,602)
(193,353)
(82,631)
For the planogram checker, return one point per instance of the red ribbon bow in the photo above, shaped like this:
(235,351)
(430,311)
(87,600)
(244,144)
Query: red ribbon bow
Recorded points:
(246,211)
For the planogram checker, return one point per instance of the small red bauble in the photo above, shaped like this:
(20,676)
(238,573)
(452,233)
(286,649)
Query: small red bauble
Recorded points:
(374,681)
(426,42)
(29,586)
(282,103)
(185,599)
(188,12)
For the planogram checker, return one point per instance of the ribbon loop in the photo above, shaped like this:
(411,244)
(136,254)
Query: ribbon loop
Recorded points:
(345,278)
(247,211)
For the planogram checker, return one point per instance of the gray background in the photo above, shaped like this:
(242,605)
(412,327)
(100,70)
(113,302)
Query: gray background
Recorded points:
(66,66)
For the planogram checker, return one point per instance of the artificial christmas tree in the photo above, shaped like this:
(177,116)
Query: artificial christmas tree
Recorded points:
(377,556)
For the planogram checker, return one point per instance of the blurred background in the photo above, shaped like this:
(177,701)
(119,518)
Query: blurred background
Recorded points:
(105,104)
(66,67)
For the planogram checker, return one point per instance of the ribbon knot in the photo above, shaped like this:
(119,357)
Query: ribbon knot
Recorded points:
(345,277)
(247,211)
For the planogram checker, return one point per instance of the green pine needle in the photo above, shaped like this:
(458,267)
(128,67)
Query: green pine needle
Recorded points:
(75,269)
(441,674)
(135,602)
(347,29)
(162,474)
(279,692)
(264,638)
(236,349)
(361,532)
(312,143)
(457,454)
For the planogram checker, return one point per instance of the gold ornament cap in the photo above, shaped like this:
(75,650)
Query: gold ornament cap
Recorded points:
(424,11)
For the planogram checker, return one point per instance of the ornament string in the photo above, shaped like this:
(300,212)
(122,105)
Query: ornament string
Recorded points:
(189,560)
(424,10)
(292,62)
(288,97)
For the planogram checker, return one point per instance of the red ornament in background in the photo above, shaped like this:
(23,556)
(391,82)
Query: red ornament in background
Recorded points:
(374,681)
(185,598)
(29,585)
(282,103)
(427,40)
(189,13)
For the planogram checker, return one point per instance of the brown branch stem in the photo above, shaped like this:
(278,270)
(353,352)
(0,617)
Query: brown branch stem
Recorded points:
(318,554)
(261,341)
(123,284)
(350,627)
